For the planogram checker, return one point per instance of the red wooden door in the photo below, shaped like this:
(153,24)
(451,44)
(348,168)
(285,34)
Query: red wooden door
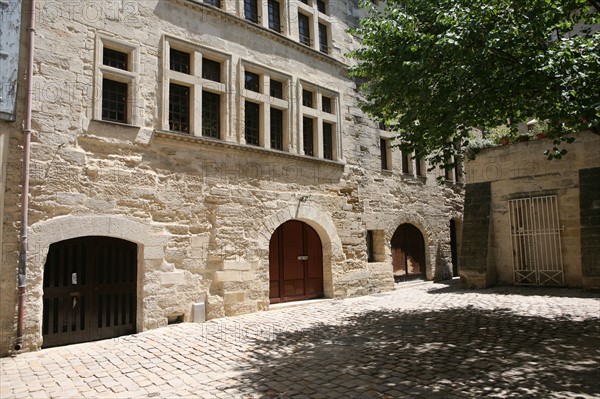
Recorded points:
(89,290)
(295,263)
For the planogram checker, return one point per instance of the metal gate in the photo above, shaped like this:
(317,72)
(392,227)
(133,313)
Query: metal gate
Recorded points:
(535,238)
(89,290)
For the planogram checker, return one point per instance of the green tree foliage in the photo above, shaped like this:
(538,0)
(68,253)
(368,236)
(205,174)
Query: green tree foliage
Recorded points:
(436,69)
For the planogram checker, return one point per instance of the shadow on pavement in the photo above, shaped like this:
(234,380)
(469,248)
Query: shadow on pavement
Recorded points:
(453,286)
(428,354)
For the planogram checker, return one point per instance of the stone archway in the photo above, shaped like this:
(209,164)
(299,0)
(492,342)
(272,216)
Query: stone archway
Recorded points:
(323,225)
(150,248)
(408,253)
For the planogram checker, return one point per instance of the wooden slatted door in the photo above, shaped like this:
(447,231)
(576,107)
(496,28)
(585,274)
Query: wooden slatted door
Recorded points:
(89,290)
(408,253)
(295,263)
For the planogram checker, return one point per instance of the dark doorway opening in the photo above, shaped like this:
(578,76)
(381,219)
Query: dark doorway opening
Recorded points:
(295,263)
(408,253)
(453,250)
(89,290)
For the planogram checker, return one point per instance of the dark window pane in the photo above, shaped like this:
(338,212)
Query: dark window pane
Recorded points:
(251,10)
(418,171)
(321,6)
(216,3)
(276,129)
(114,101)
(274,16)
(211,70)
(405,159)
(211,114)
(304,29)
(252,122)
(179,108)
(323,43)
(252,82)
(308,139)
(370,247)
(383,149)
(179,61)
(327,141)
(326,104)
(307,98)
(304,1)
(276,89)
(115,59)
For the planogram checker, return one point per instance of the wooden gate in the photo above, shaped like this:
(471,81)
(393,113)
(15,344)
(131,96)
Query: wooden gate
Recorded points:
(408,253)
(89,290)
(295,263)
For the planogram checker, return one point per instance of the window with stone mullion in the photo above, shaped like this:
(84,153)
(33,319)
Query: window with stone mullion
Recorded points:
(251,10)
(274,16)
(211,114)
(308,136)
(276,129)
(252,123)
(327,141)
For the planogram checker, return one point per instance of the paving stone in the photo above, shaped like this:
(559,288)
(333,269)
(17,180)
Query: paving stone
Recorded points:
(432,340)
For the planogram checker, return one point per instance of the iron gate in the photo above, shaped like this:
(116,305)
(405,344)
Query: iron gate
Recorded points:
(535,239)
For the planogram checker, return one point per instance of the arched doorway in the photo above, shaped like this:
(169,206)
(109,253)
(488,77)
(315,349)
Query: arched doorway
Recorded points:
(408,253)
(89,290)
(295,263)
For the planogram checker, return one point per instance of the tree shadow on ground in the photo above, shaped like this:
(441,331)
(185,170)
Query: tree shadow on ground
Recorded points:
(453,286)
(427,354)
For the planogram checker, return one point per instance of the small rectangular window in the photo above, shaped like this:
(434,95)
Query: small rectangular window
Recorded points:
(214,3)
(405,162)
(323,41)
(115,59)
(179,61)
(326,104)
(418,170)
(252,123)
(276,89)
(179,108)
(304,29)
(308,139)
(307,98)
(211,70)
(274,16)
(321,6)
(276,129)
(327,141)
(384,157)
(211,114)
(251,10)
(114,101)
(252,82)
(370,247)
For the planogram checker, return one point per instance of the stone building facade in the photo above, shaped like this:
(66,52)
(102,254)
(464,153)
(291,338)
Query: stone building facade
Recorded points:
(183,150)
(531,221)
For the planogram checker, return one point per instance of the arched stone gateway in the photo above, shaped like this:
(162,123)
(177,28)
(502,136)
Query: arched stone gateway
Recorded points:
(408,253)
(295,263)
(89,290)
(148,245)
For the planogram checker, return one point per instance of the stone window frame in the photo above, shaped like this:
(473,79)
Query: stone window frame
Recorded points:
(265,101)
(375,243)
(197,85)
(319,116)
(131,77)
(315,18)
(263,14)
(389,163)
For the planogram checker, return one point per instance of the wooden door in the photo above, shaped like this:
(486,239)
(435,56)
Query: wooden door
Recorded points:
(408,253)
(295,263)
(89,290)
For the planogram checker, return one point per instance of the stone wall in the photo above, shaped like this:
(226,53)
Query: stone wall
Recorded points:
(201,211)
(521,170)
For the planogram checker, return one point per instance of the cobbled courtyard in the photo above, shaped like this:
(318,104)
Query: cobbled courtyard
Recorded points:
(420,341)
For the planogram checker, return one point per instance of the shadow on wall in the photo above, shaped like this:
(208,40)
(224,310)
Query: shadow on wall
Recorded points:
(428,354)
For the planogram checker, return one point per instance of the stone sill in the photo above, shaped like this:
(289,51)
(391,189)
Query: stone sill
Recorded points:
(264,31)
(120,124)
(206,141)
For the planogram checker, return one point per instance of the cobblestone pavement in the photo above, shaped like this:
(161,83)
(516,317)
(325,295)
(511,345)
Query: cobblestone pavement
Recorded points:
(423,341)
